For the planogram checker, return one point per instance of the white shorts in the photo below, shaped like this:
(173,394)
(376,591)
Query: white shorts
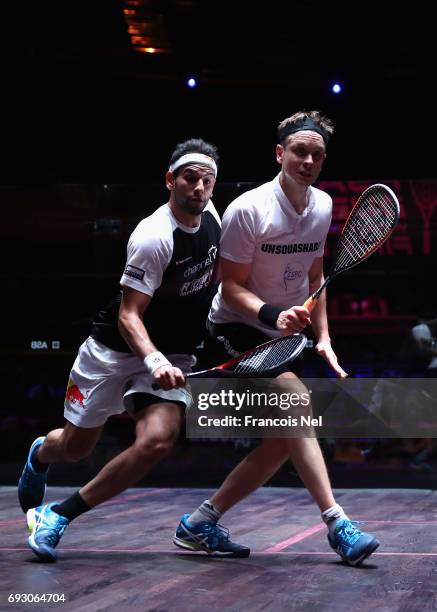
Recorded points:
(102,382)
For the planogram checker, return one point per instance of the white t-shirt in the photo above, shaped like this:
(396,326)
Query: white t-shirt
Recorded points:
(261,227)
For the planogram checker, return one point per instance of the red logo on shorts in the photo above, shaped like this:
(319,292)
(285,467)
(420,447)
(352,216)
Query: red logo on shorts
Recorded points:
(74,394)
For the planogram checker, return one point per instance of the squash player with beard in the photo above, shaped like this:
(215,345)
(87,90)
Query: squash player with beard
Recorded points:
(146,336)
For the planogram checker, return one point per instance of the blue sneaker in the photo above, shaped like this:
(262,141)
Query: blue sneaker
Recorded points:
(350,543)
(209,537)
(46,528)
(32,485)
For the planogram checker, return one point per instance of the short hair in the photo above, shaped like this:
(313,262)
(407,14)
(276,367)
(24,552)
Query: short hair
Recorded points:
(320,120)
(194,145)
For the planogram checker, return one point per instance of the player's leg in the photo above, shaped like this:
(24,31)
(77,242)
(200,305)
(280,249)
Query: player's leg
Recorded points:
(85,419)
(46,526)
(305,453)
(264,461)
(252,472)
(200,531)
(157,427)
(94,392)
(120,382)
(344,537)
(349,542)
(204,534)
(71,443)
(352,544)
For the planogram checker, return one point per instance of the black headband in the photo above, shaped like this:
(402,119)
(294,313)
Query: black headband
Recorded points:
(304,124)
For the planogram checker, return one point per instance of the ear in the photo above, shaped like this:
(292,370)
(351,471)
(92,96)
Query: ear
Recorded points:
(279,153)
(169,180)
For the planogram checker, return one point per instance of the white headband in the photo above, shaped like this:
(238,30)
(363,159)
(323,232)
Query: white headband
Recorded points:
(198,158)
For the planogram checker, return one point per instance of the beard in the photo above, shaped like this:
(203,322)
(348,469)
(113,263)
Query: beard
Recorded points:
(191,206)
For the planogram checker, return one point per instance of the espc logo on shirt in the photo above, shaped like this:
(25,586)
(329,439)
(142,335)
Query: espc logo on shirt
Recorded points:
(292,273)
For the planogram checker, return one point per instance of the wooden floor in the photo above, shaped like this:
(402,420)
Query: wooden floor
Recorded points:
(120,556)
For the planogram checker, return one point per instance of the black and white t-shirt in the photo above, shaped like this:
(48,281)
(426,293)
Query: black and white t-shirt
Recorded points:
(175,265)
(262,228)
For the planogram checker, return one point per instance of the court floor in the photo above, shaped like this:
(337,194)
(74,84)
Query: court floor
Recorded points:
(120,556)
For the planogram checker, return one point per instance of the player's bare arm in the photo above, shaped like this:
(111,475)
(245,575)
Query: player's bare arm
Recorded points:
(234,288)
(319,319)
(236,294)
(131,326)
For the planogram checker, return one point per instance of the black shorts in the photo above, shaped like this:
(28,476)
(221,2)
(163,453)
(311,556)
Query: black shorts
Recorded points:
(143,400)
(223,342)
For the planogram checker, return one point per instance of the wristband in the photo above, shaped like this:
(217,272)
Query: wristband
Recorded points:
(154,361)
(269,314)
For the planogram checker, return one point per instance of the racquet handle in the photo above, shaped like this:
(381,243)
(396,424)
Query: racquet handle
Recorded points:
(310,303)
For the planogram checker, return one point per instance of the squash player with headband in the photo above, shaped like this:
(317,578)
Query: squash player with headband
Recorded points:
(145,336)
(271,253)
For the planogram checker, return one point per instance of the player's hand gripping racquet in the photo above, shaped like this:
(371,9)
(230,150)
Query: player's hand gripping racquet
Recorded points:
(370,222)
(257,362)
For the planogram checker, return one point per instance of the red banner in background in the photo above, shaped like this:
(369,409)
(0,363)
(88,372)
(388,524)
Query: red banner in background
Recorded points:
(417,229)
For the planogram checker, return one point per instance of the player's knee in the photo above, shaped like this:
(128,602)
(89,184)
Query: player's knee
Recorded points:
(157,446)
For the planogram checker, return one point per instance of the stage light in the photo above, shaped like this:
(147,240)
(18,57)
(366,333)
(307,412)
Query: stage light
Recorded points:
(192,82)
(146,26)
(336,88)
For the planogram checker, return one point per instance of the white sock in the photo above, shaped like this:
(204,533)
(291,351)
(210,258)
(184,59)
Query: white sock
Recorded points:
(205,512)
(332,515)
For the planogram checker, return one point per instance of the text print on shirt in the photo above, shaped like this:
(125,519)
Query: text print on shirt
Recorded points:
(199,283)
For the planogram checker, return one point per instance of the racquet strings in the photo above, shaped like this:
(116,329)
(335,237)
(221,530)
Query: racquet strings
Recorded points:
(271,356)
(372,220)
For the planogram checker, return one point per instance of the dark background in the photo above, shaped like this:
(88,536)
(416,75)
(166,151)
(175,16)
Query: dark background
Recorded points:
(87,127)
(79,104)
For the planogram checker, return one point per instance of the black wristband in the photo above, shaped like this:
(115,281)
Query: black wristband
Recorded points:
(269,314)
